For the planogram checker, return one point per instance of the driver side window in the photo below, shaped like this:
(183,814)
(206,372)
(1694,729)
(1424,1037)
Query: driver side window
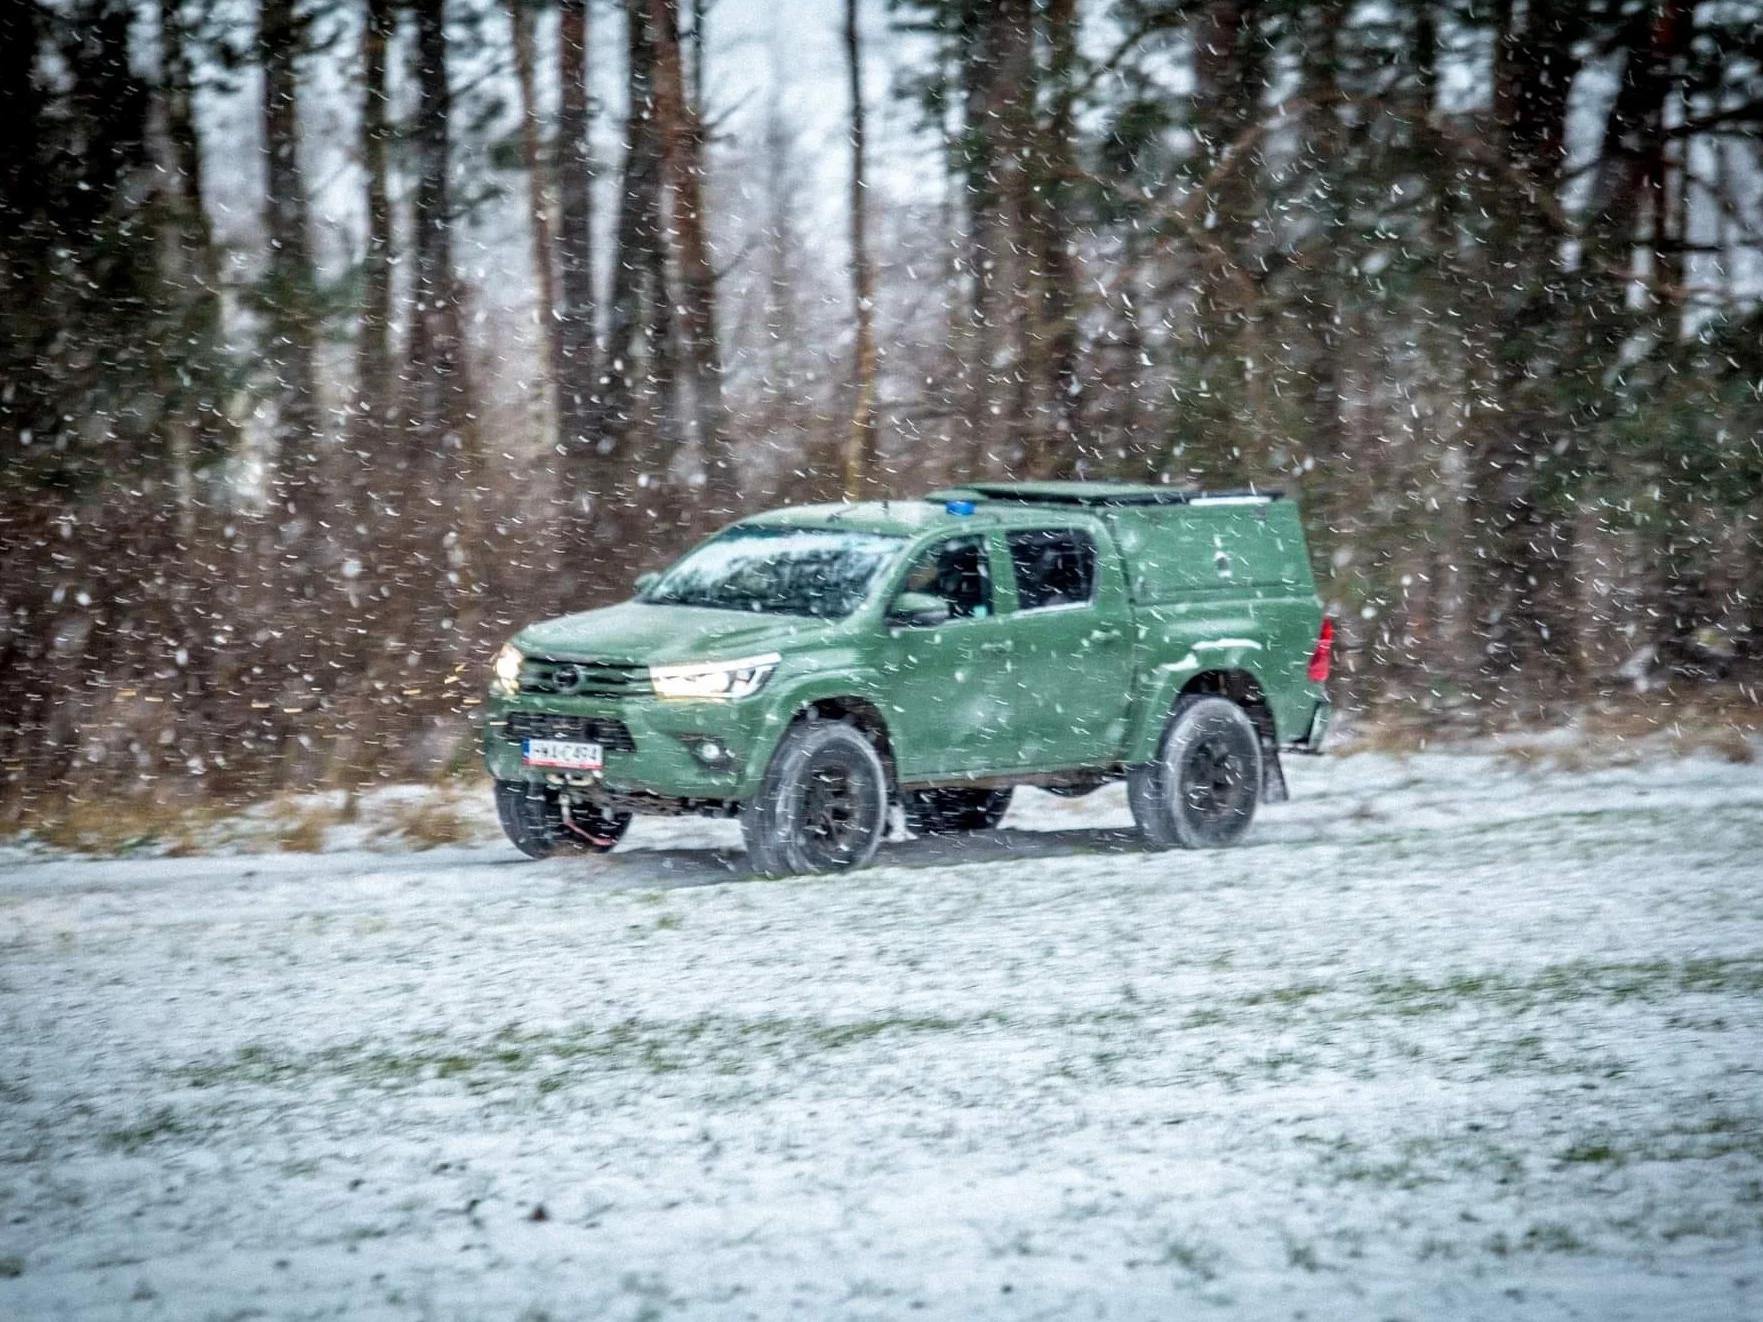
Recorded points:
(955,571)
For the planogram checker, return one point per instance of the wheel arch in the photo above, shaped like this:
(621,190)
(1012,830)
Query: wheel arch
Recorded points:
(1241,687)
(858,711)
(1231,677)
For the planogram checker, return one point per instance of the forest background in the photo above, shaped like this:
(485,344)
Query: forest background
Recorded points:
(339,338)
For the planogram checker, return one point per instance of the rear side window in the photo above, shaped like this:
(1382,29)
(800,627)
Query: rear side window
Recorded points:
(1055,567)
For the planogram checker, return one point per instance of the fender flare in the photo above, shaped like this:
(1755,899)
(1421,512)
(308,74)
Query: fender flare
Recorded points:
(1160,685)
(802,691)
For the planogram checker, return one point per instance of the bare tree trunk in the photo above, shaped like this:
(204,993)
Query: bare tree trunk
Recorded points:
(695,89)
(375,379)
(180,125)
(1630,217)
(637,237)
(575,364)
(1630,181)
(975,151)
(1061,453)
(860,457)
(1519,589)
(195,412)
(998,86)
(1229,76)
(442,437)
(437,377)
(520,18)
(290,292)
(682,145)
(372,456)
(1325,134)
(634,429)
(1021,365)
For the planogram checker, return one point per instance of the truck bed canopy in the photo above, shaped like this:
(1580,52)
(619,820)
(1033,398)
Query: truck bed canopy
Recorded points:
(1095,494)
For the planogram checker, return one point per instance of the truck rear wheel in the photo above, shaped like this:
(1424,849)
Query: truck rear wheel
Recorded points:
(954,810)
(1200,793)
(823,805)
(540,824)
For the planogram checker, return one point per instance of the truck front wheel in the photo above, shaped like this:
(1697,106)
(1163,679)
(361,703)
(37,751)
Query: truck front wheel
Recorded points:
(539,823)
(1200,793)
(823,805)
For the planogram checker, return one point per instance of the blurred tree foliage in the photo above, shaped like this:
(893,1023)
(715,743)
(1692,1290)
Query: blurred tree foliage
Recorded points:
(1478,280)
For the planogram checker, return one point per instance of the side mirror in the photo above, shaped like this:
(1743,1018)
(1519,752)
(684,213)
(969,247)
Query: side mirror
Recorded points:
(647,581)
(919,609)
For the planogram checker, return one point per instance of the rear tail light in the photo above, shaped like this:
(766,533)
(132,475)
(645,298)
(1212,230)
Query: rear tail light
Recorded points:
(1323,654)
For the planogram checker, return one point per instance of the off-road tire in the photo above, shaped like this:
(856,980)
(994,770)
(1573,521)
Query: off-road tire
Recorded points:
(822,806)
(954,810)
(1201,791)
(540,825)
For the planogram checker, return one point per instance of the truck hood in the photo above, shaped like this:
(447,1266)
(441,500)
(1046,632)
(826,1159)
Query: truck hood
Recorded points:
(641,634)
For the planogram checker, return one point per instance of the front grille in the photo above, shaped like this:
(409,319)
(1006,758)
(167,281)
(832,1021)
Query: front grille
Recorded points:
(613,736)
(588,679)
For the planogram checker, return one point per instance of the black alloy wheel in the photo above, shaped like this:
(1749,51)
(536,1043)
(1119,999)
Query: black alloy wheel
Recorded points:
(1201,791)
(823,805)
(1215,781)
(830,816)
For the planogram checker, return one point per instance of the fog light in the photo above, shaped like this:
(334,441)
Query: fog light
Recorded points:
(711,751)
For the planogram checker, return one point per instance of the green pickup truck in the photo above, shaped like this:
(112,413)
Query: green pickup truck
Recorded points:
(807,668)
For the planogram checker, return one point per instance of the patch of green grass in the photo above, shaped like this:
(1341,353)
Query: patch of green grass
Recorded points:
(718,1043)
(1595,1152)
(1411,997)
(834,1036)
(1302,1255)
(1544,1237)
(1198,1260)
(1551,1237)
(1434,1247)
(1115,1039)
(160,1124)
(1287,995)
(1707,1139)
(1650,981)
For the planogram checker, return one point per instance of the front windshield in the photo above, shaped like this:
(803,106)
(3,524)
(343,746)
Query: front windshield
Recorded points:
(823,572)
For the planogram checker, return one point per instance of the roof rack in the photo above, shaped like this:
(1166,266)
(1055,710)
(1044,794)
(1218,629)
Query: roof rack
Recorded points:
(1097,494)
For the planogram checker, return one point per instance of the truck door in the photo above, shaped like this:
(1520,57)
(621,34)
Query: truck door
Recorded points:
(945,677)
(1070,637)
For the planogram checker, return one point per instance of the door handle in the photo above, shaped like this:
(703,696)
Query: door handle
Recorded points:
(1005,646)
(1106,636)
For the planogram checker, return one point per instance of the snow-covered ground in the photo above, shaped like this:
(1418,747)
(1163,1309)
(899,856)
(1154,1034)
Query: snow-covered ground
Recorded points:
(1445,1039)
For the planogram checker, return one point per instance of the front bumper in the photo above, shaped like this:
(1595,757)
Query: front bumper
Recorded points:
(661,761)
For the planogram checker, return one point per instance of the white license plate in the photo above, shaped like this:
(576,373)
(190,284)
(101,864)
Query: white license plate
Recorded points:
(565,753)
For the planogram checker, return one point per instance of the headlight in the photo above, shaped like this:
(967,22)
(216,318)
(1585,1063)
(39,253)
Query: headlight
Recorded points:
(714,679)
(506,668)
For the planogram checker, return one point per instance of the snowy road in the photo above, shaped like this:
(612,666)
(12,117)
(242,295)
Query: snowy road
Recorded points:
(1445,1039)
